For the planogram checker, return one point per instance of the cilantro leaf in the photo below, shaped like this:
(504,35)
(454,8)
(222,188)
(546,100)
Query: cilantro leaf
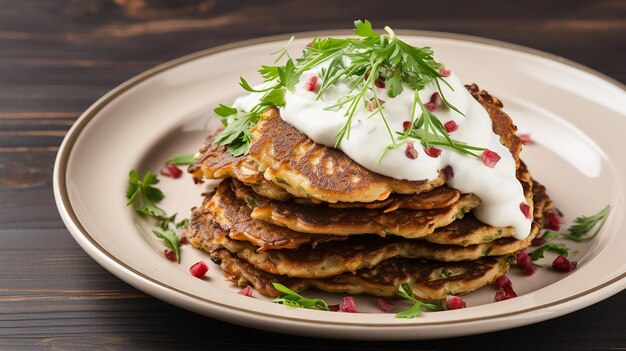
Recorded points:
(405,291)
(364,29)
(182,160)
(293,299)
(225,111)
(287,75)
(171,240)
(144,191)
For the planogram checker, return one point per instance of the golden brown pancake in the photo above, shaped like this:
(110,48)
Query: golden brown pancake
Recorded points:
(329,221)
(440,197)
(215,162)
(309,170)
(363,251)
(429,280)
(402,222)
(234,215)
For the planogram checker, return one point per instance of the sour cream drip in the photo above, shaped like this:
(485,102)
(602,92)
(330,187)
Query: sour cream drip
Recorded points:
(498,188)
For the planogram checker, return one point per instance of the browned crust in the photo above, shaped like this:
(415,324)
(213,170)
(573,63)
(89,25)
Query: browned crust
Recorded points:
(305,169)
(215,162)
(360,252)
(234,215)
(429,280)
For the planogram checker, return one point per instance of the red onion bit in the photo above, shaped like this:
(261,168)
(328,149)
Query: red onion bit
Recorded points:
(410,151)
(444,72)
(310,84)
(432,152)
(454,303)
(506,289)
(503,282)
(490,158)
(182,236)
(562,264)
(384,305)
(170,255)
(170,170)
(449,171)
(524,262)
(430,106)
(380,82)
(505,294)
(525,210)
(199,269)
(406,125)
(333,308)
(450,126)
(348,304)
(247,291)
(436,99)
(553,221)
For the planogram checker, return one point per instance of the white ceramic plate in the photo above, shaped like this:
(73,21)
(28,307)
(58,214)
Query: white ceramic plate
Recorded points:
(575,116)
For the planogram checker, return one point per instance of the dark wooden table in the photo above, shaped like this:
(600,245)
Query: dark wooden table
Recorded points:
(57,57)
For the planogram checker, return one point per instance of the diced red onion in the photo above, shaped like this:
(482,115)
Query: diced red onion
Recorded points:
(490,158)
(247,291)
(348,304)
(562,264)
(384,305)
(454,303)
(450,126)
(170,170)
(199,269)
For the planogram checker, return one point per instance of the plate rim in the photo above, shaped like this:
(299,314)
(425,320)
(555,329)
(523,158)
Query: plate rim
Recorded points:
(127,273)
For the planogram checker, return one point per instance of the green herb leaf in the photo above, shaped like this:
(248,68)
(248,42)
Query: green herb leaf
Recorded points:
(364,29)
(577,232)
(405,291)
(184,223)
(145,193)
(171,240)
(292,298)
(182,160)
(583,224)
(357,62)
(560,248)
(224,110)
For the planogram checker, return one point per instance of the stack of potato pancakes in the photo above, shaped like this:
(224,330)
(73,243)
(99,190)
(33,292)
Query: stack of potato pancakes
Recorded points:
(304,215)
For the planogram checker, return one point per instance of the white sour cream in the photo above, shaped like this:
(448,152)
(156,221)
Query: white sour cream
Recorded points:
(498,188)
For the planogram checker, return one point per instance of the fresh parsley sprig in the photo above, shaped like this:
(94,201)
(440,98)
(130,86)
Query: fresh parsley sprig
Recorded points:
(358,63)
(147,196)
(577,232)
(293,299)
(142,191)
(405,291)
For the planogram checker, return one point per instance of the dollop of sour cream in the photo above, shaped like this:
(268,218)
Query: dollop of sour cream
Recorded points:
(498,188)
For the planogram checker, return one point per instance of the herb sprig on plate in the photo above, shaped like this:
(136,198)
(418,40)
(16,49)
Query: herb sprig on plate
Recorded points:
(577,232)
(293,299)
(405,291)
(145,197)
(358,63)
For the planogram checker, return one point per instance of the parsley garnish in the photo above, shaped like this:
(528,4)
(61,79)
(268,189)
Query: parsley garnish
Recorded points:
(293,299)
(182,160)
(357,62)
(577,232)
(149,196)
(171,240)
(142,191)
(405,291)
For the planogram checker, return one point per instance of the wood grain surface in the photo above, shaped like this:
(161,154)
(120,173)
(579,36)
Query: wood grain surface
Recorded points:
(57,57)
